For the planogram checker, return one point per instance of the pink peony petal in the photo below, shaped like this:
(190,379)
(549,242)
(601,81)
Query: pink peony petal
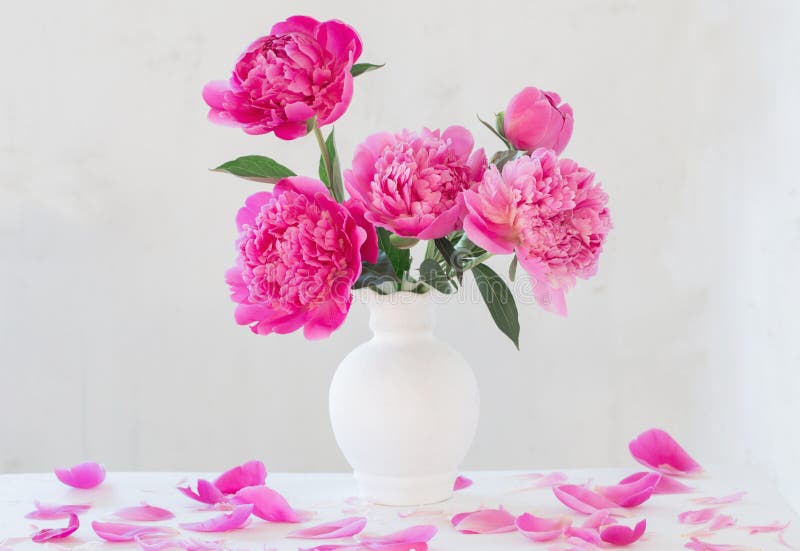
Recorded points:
(582,499)
(222,523)
(721,521)
(461,483)
(484,521)
(206,493)
(84,475)
(767,528)
(116,532)
(618,534)
(724,500)
(57,533)
(657,450)
(413,546)
(415,534)
(342,528)
(155,542)
(144,513)
(47,511)
(269,505)
(632,493)
(667,484)
(698,545)
(588,535)
(700,516)
(599,518)
(545,480)
(541,529)
(252,473)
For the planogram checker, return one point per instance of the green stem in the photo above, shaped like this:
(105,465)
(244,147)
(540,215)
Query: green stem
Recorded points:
(337,193)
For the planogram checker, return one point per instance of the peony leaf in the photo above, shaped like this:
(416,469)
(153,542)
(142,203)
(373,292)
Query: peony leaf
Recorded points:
(499,300)
(256,168)
(432,274)
(512,269)
(376,276)
(495,132)
(454,259)
(400,258)
(361,68)
(331,174)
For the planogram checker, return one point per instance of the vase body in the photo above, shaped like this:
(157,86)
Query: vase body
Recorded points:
(404,405)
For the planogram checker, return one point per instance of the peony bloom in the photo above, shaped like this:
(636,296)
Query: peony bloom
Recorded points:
(299,254)
(410,183)
(534,119)
(550,212)
(301,70)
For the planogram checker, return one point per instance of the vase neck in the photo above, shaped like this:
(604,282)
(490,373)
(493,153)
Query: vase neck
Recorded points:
(401,313)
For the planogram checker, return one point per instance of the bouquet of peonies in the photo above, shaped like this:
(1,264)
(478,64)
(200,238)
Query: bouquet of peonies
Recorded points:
(304,245)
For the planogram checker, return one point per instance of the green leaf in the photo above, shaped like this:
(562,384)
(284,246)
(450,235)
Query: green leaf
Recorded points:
(376,276)
(500,158)
(453,258)
(499,300)
(256,168)
(403,242)
(432,274)
(512,269)
(361,68)
(334,183)
(495,132)
(500,124)
(323,173)
(400,258)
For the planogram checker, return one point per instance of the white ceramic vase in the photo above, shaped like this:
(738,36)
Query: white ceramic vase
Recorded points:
(404,405)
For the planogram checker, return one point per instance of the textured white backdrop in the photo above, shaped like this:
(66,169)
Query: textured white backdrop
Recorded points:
(116,337)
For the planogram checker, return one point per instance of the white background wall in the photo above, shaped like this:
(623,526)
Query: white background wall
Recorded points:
(116,334)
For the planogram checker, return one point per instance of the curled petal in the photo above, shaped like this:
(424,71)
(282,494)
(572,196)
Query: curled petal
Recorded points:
(632,493)
(144,513)
(582,499)
(699,516)
(252,473)
(117,532)
(48,511)
(589,535)
(657,450)
(269,504)
(484,521)
(206,493)
(461,483)
(331,530)
(541,529)
(724,500)
(58,533)
(666,485)
(84,475)
(599,518)
(618,534)
(415,534)
(222,523)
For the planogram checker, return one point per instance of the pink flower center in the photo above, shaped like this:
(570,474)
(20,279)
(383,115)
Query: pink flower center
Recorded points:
(296,254)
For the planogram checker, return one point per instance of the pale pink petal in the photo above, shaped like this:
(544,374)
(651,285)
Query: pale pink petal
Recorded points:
(767,528)
(112,531)
(411,546)
(724,500)
(199,545)
(58,533)
(269,505)
(461,483)
(657,450)
(144,513)
(484,521)
(420,513)
(581,499)
(618,534)
(252,473)
(545,480)
(700,516)
(785,543)
(84,475)
(721,521)
(541,529)
(48,511)
(206,493)
(589,535)
(632,493)
(415,534)
(698,545)
(222,523)
(599,518)
(155,542)
(667,484)
(342,528)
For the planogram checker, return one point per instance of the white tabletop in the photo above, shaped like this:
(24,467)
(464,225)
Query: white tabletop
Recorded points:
(331,497)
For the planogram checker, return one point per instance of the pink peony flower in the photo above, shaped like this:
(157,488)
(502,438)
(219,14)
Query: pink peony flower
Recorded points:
(299,254)
(410,183)
(550,212)
(535,119)
(300,70)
